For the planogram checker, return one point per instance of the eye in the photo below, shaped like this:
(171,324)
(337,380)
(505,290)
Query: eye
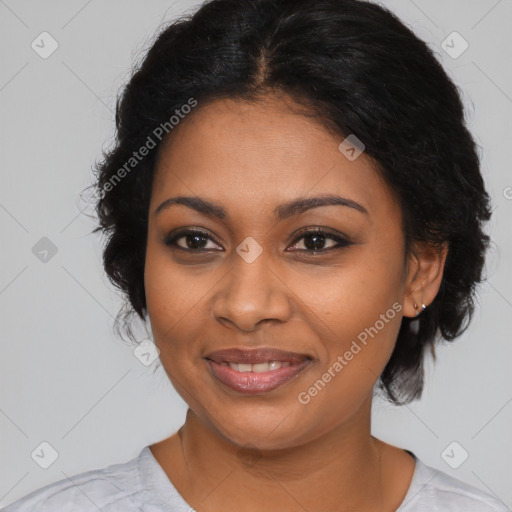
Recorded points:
(319,241)
(313,241)
(191,240)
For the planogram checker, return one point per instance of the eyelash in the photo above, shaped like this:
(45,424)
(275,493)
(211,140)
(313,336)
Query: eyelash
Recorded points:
(342,242)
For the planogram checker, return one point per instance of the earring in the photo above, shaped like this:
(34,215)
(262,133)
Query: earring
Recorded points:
(423,307)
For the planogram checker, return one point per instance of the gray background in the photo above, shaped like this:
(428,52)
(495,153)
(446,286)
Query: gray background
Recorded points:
(66,379)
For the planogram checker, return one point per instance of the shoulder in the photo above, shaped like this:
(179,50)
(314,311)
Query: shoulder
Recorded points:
(432,489)
(114,488)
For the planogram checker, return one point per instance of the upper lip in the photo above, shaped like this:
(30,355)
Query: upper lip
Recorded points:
(255,356)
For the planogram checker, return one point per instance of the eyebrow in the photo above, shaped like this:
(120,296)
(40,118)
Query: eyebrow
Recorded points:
(283,211)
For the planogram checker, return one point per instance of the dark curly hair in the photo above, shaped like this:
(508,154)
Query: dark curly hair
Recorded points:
(361,71)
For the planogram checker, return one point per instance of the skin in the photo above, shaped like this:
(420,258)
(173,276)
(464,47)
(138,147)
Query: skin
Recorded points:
(321,456)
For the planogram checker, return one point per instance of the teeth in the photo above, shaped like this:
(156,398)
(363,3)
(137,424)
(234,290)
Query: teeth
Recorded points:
(244,367)
(261,367)
(257,368)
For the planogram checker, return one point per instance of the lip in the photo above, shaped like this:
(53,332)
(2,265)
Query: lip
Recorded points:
(256,382)
(256,355)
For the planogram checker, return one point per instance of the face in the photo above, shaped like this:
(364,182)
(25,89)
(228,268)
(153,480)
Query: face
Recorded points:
(243,266)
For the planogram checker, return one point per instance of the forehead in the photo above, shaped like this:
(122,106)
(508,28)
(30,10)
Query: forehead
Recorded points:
(262,153)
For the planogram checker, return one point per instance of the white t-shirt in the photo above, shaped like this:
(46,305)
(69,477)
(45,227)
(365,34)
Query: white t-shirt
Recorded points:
(141,485)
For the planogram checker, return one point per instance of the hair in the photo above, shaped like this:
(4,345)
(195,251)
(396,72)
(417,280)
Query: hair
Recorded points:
(359,69)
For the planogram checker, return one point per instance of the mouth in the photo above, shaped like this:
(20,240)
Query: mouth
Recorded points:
(257,370)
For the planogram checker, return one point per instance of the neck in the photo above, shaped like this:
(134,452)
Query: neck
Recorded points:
(340,470)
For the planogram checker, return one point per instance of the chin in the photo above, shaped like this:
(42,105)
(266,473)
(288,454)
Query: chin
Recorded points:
(258,428)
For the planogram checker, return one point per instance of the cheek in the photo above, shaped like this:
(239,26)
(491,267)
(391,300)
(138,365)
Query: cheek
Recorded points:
(173,299)
(171,290)
(351,296)
(363,330)
(174,305)
(356,310)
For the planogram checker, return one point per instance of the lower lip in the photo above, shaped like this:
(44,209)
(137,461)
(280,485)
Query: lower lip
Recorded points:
(252,382)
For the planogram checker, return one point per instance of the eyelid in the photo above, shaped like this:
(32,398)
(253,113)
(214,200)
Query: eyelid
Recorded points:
(319,229)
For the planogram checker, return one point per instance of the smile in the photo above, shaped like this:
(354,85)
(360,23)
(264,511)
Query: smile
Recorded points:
(256,378)
(256,368)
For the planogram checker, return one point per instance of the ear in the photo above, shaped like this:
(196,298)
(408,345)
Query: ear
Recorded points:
(424,274)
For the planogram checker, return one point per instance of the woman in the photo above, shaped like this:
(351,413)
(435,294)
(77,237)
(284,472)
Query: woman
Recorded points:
(295,204)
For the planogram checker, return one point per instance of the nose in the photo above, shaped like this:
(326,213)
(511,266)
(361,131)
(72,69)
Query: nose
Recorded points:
(250,294)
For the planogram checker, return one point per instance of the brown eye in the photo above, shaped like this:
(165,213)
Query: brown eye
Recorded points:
(318,241)
(191,240)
